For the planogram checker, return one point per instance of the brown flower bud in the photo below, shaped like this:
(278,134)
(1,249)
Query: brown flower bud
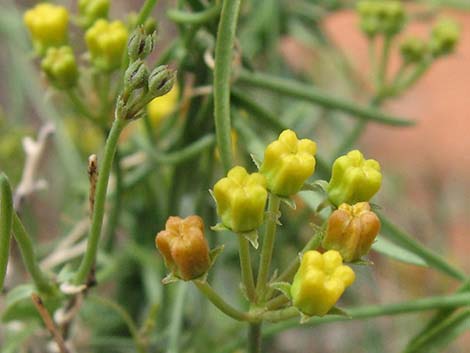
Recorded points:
(184,247)
(352,230)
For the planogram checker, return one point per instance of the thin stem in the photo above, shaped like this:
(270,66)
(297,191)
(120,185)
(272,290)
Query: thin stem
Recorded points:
(220,303)
(177,318)
(440,316)
(431,303)
(81,108)
(49,323)
(412,78)
(245,264)
(118,309)
(383,65)
(6,221)
(145,11)
(312,94)
(98,212)
(268,246)
(254,338)
(431,258)
(113,220)
(194,18)
(277,302)
(223,67)
(357,313)
(23,239)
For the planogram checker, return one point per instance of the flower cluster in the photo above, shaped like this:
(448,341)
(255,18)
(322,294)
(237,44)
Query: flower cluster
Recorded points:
(381,17)
(241,200)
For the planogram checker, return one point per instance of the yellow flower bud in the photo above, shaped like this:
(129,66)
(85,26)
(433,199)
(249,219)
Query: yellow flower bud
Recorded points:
(320,282)
(161,107)
(91,10)
(354,179)
(60,67)
(241,199)
(47,25)
(352,230)
(106,42)
(288,163)
(184,247)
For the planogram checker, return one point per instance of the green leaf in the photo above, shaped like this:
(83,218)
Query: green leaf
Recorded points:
(288,201)
(170,278)
(316,186)
(219,227)
(255,160)
(441,335)
(19,306)
(397,252)
(214,254)
(338,311)
(252,237)
(283,287)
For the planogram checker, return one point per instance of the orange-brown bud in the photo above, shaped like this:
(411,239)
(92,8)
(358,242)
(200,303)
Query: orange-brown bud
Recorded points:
(184,247)
(352,230)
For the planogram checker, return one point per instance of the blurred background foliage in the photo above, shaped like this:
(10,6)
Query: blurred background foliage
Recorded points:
(317,42)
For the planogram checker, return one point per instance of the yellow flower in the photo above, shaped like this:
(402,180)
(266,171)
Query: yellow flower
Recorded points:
(161,107)
(320,282)
(184,247)
(60,67)
(354,179)
(106,42)
(47,25)
(241,199)
(352,230)
(288,163)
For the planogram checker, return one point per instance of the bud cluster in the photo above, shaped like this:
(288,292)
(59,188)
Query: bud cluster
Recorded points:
(381,17)
(141,86)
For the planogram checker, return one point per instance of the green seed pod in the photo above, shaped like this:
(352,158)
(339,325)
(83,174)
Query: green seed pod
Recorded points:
(140,44)
(136,75)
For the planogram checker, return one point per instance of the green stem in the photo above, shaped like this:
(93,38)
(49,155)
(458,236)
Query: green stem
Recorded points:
(268,246)
(177,318)
(100,198)
(412,78)
(383,65)
(358,313)
(223,67)
(194,18)
(6,221)
(113,219)
(23,239)
(431,258)
(432,303)
(118,309)
(254,338)
(145,11)
(312,94)
(220,303)
(439,317)
(245,264)
(277,302)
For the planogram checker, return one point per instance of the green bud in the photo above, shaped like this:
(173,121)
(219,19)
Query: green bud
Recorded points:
(136,75)
(91,10)
(140,44)
(60,67)
(385,17)
(413,50)
(161,80)
(444,37)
